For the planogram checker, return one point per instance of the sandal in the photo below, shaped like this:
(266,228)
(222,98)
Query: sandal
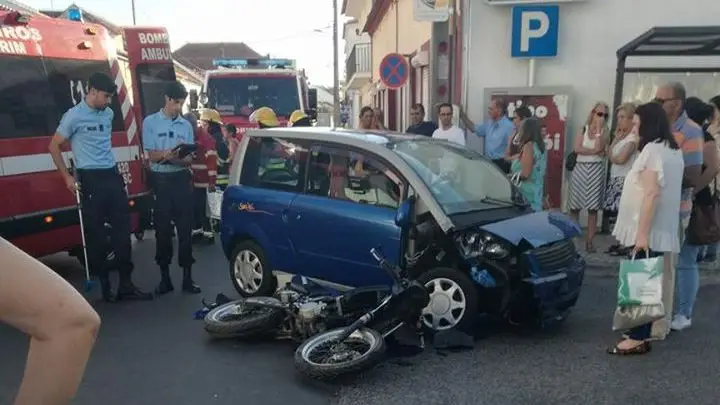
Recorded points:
(590,248)
(642,348)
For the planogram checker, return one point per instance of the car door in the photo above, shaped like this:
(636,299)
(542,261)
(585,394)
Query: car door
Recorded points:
(348,207)
(258,207)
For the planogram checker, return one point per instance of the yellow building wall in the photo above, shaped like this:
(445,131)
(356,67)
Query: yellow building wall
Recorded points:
(387,39)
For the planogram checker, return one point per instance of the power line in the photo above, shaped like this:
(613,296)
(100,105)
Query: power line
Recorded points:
(303,33)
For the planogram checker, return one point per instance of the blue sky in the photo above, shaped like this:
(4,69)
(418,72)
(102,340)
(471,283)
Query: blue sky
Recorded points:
(283,28)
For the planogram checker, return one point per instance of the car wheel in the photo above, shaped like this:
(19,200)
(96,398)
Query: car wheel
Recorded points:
(249,271)
(453,300)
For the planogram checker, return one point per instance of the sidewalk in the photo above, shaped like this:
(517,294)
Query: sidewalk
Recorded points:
(605,264)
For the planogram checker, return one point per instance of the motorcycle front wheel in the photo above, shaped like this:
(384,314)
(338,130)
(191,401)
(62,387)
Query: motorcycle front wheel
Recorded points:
(242,319)
(325,357)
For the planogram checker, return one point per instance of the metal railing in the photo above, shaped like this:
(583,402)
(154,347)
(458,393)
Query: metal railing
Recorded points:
(359,61)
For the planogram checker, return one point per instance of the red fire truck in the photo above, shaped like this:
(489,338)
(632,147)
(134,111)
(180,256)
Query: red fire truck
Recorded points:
(44,67)
(239,86)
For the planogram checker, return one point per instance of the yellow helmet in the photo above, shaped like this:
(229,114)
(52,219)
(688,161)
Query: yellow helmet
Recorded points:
(296,116)
(264,116)
(210,115)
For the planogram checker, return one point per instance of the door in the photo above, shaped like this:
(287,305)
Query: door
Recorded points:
(270,180)
(347,209)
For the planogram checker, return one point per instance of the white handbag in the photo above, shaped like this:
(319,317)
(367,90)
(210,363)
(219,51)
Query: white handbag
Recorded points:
(214,204)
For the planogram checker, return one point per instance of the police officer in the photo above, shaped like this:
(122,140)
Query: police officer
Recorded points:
(299,119)
(162,132)
(88,129)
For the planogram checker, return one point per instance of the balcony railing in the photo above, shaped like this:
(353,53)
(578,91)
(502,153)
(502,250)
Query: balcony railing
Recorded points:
(359,61)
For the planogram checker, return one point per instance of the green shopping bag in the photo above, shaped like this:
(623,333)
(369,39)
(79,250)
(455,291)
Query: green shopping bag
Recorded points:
(640,282)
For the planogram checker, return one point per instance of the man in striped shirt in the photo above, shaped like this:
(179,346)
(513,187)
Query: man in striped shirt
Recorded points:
(689,136)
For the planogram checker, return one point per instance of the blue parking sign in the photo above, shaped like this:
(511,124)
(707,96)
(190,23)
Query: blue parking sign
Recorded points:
(535,31)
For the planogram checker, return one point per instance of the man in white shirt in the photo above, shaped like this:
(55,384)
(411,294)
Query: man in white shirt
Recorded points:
(447,130)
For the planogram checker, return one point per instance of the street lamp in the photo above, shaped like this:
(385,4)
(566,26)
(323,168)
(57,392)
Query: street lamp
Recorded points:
(336,66)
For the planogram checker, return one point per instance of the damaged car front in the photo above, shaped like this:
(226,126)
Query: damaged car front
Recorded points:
(523,263)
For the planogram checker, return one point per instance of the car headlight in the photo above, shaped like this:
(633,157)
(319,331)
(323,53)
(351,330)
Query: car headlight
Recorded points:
(475,244)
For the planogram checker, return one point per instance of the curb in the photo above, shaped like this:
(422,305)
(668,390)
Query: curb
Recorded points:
(604,265)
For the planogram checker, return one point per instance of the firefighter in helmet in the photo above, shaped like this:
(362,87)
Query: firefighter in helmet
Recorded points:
(299,119)
(210,120)
(265,118)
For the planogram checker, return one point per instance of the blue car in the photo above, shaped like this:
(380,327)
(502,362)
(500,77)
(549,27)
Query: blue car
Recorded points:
(444,213)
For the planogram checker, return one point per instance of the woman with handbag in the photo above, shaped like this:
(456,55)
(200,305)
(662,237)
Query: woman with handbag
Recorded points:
(704,227)
(588,175)
(528,170)
(647,214)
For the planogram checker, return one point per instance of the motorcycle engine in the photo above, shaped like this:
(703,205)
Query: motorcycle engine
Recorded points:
(310,318)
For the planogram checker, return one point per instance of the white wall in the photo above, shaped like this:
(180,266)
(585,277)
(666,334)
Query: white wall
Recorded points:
(591,32)
(351,38)
(324,96)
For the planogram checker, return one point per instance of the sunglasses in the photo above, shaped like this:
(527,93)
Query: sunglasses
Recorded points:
(601,114)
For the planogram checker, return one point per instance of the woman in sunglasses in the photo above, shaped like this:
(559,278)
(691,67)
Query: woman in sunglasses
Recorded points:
(587,181)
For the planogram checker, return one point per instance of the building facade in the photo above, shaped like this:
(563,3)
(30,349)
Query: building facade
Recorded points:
(390,27)
(590,33)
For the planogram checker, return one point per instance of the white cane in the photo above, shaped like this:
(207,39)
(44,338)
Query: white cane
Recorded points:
(89,283)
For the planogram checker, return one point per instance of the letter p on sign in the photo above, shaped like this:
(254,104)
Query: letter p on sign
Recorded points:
(535,31)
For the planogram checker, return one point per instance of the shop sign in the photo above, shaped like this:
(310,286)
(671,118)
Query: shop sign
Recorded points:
(431,10)
(552,111)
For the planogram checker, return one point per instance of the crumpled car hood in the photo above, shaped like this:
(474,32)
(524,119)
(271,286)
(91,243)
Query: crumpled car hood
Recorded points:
(537,228)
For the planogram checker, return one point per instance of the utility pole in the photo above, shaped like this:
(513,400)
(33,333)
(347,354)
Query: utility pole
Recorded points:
(132,2)
(336,66)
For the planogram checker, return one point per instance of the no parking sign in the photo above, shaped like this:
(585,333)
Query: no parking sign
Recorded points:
(394,71)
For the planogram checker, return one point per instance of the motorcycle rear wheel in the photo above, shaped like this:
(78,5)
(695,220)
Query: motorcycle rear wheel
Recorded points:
(322,357)
(237,319)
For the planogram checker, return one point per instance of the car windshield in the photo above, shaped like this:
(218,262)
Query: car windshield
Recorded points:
(240,96)
(460,180)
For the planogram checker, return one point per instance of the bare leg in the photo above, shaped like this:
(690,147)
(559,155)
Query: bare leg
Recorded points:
(575,215)
(61,324)
(592,229)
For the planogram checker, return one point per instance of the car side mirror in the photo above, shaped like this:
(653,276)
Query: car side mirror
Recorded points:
(403,215)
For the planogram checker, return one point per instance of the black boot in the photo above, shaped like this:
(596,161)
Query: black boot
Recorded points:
(129,292)
(165,285)
(107,293)
(188,284)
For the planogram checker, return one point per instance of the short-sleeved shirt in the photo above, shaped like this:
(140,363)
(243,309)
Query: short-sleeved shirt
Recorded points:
(668,164)
(689,136)
(161,132)
(424,128)
(89,132)
(497,135)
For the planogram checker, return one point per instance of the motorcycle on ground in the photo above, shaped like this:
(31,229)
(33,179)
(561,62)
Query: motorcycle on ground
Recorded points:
(341,333)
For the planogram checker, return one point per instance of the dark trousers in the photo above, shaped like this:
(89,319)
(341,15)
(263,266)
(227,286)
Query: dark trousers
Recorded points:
(502,164)
(200,220)
(103,198)
(643,332)
(173,204)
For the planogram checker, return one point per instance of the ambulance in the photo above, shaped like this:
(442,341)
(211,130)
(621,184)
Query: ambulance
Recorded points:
(45,64)
(239,86)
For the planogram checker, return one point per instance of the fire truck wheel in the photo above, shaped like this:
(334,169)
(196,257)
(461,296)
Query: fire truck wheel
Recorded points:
(139,235)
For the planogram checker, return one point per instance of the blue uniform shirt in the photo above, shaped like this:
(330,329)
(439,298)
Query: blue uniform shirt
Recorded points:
(89,132)
(497,135)
(161,132)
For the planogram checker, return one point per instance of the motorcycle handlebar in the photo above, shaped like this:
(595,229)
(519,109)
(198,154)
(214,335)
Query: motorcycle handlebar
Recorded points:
(378,255)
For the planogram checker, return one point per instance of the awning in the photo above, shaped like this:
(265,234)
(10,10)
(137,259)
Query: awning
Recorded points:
(674,41)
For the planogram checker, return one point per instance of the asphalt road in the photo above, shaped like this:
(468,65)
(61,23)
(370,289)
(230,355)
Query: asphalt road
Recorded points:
(154,353)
